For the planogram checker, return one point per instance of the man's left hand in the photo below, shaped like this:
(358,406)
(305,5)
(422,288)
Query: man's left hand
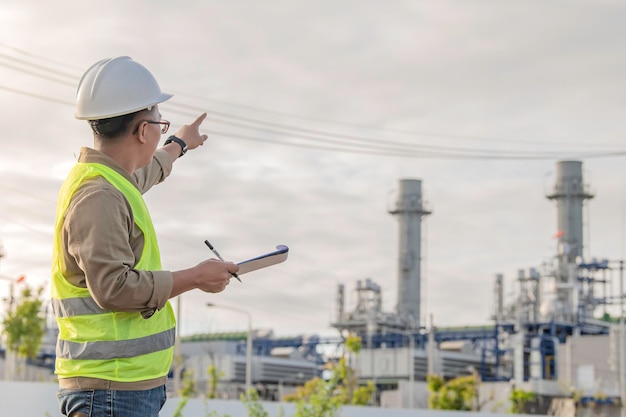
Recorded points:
(190,134)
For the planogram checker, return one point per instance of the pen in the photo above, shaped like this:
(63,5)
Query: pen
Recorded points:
(234,274)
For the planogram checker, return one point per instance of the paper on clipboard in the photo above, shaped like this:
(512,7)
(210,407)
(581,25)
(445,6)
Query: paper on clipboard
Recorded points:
(263,261)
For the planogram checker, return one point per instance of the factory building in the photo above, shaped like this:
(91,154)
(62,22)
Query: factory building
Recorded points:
(549,340)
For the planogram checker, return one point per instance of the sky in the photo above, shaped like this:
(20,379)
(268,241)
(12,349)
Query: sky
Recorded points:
(316,111)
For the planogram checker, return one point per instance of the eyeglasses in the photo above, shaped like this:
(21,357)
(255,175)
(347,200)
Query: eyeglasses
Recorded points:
(165,125)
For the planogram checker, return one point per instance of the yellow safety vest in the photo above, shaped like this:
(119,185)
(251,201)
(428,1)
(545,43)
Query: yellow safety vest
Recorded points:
(97,343)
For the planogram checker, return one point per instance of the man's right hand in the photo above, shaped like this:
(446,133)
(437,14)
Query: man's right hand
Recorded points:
(211,275)
(215,275)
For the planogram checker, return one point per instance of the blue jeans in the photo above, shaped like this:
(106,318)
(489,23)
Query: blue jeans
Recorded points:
(106,403)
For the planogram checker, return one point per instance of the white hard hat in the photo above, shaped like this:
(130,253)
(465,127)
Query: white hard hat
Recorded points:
(114,87)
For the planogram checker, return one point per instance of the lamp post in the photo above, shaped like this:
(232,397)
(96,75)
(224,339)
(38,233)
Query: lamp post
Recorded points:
(248,341)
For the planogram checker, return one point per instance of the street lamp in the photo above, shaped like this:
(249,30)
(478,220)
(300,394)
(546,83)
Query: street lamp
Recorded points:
(248,342)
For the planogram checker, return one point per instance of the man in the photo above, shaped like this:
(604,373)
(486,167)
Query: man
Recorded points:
(109,293)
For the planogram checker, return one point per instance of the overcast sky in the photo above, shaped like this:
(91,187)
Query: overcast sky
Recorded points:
(490,95)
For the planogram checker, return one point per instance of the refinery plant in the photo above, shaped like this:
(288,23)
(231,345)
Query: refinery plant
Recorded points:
(555,338)
(551,340)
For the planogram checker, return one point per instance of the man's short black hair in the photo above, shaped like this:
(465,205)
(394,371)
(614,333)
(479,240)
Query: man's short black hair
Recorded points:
(113,127)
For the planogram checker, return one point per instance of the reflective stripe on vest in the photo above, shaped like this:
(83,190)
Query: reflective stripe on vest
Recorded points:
(115,349)
(94,342)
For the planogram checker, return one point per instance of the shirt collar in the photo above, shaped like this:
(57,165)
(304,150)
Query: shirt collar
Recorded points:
(89,155)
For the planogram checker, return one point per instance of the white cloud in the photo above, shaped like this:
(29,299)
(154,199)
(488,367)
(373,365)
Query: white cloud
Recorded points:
(532,76)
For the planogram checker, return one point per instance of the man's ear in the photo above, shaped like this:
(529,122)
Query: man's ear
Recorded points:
(141,132)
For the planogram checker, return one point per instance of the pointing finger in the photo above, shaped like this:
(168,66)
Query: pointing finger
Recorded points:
(196,123)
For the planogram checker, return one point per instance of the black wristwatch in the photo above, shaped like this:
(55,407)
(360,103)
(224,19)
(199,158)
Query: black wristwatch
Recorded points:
(183,145)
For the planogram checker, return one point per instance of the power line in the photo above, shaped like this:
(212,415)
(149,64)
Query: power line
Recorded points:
(47,69)
(318,133)
(386,145)
(34,95)
(291,115)
(22,70)
(415,154)
(338,142)
(340,123)
(39,57)
(425,152)
(376,128)
(381,150)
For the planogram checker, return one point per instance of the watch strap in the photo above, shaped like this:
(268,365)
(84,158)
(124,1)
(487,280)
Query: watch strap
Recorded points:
(183,145)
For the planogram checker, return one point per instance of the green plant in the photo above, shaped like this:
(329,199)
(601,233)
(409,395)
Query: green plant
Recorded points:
(214,377)
(456,394)
(24,326)
(320,399)
(348,389)
(253,405)
(187,390)
(353,343)
(323,398)
(519,398)
(181,405)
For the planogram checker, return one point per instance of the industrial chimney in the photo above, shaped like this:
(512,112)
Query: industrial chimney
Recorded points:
(409,210)
(570,194)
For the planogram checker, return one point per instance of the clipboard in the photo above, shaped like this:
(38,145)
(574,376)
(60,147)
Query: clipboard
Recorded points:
(263,261)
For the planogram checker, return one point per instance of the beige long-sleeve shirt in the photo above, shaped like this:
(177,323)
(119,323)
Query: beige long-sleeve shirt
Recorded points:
(102,244)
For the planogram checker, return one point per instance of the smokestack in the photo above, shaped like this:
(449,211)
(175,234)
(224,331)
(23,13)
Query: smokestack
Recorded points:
(570,194)
(341,303)
(499,298)
(409,211)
